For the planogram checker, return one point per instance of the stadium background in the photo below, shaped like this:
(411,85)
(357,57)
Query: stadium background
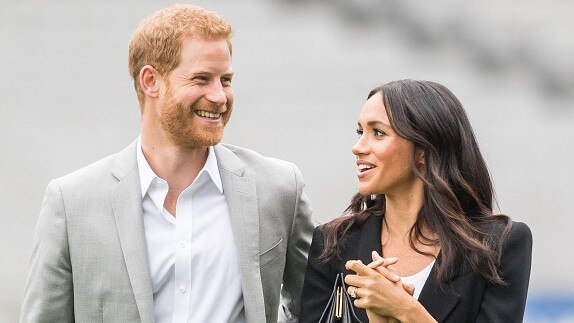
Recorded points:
(303,69)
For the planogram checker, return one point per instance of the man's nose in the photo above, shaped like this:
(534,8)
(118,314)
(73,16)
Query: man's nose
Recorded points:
(216,94)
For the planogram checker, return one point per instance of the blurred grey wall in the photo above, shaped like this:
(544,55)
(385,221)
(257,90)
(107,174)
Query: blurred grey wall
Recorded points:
(303,69)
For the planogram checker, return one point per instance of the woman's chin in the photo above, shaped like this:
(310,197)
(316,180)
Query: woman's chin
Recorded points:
(365,192)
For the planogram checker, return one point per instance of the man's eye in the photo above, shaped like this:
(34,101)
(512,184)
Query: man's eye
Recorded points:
(226,81)
(359,132)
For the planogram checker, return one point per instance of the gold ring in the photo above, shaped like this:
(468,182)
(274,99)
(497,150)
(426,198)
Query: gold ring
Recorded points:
(354,292)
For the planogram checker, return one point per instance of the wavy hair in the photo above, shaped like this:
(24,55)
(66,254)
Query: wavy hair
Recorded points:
(458,192)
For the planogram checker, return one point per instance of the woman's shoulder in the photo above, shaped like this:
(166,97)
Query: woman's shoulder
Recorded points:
(520,229)
(347,233)
(500,227)
(510,234)
(519,235)
(335,224)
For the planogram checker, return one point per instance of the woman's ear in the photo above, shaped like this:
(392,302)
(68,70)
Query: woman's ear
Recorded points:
(420,156)
(149,81)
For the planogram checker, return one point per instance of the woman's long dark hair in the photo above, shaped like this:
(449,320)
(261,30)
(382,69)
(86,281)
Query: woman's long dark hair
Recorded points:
(458,191)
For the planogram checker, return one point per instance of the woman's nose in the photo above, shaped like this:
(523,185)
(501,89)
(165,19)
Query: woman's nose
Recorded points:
(359,148)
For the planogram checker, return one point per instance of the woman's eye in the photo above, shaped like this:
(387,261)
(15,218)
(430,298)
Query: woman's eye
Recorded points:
(359,132)
(378,132)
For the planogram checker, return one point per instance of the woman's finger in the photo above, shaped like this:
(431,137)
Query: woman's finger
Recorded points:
(380,261)
(409,288)
(352,291)
(358,267)
(376,263)
(388,274)
(353,281)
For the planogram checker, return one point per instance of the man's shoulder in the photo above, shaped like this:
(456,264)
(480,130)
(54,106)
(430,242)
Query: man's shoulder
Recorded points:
(281,174)
(101,170)
(252,158)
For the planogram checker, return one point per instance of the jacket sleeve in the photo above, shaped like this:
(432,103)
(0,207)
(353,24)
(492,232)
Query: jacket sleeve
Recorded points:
(48,295)
(318,284)
(297,252)
(506,303)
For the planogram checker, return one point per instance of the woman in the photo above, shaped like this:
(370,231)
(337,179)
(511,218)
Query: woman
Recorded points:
(425,198)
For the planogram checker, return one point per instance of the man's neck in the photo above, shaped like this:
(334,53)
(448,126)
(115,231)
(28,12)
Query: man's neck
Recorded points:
(178,166)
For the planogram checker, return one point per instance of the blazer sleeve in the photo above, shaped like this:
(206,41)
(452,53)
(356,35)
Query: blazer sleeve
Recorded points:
(506,303)
(48,295)
(318,284)
(297,252)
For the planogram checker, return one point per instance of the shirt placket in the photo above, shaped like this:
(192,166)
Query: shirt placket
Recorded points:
(184,211)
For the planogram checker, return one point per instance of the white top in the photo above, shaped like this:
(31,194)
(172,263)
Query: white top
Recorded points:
(419,279)
(192,257)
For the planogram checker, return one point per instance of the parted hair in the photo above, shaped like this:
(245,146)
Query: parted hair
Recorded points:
(458,193)
(157,40)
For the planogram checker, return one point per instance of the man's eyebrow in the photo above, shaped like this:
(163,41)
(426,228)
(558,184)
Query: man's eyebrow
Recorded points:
(206,72)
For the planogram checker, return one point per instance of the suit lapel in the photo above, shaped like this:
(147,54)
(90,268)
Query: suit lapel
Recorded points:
(370,239)
(241,197)
(439,301)
(127,208)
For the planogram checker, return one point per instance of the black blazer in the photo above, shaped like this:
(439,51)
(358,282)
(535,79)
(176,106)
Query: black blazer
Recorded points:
(467,298)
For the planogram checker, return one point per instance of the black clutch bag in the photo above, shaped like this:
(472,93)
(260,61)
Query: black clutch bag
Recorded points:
(339,308)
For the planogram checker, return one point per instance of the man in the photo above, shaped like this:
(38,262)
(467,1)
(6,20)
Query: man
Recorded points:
(176,227)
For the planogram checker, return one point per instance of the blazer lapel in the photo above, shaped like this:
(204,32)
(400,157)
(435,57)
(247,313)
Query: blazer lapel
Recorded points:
(241,197)
(439,301)
(127,208)
(370,239)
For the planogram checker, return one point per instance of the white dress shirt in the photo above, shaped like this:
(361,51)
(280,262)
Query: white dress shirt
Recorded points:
(192,257)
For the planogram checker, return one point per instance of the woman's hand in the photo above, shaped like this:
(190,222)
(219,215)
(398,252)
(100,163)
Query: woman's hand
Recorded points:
(385,267)
(380,262)
(376,318)
(381,291)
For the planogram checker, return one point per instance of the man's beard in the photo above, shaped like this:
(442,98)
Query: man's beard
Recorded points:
(185,129)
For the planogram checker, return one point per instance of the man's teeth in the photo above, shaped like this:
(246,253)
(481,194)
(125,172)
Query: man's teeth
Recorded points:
(207,114)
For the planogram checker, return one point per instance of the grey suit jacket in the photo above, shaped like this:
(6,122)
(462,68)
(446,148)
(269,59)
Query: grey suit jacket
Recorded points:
(90,263)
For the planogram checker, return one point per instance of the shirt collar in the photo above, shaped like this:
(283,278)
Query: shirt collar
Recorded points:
(147,174)
(212,169)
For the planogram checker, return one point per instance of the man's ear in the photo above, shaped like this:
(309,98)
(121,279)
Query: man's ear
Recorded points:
(149,81)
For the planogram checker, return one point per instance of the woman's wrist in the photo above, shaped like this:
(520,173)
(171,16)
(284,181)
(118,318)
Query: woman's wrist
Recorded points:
(415,312)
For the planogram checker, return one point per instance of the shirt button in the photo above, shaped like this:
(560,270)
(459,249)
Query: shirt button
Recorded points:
(182,244)
(182,289)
